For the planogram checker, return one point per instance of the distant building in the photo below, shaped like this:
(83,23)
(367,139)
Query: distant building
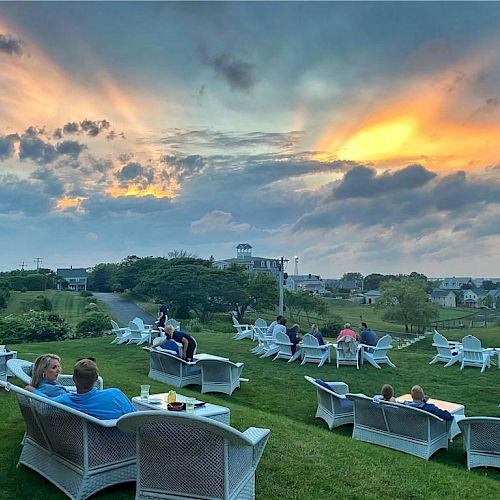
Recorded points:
(305,282)
(76,278)
(469,298)
(371,296)
(445,298)
(253,265)
(456,283)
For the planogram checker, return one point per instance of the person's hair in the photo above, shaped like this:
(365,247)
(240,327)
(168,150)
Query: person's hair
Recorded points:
(85,374)
(364,324)
(387,392)
(279,317)
(347,325)
(282,321)
(295,328)
(314,328)
(41,364)
(417,393)
(169,329)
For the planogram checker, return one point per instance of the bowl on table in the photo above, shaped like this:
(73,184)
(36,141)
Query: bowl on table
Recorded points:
(176,406)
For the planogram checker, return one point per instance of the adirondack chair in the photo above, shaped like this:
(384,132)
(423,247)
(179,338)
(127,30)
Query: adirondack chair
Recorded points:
(187,456)
(285,348)
(445,353)
(138,336)
(242,331)
(473,353)
(347,352)
(378,354)
(140,323)
(122,334)
(312,351)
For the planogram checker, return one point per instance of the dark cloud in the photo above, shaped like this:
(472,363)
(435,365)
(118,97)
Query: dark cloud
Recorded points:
(11,46)
(362,182)
(130,171)
(70,148)
(93,128)
(185,166)
(7,147)
(71,128)
(101,206)
(22,197)
(237,73)
(33,148)
(114,135)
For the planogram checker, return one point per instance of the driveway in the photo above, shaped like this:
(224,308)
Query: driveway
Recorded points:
(124,310)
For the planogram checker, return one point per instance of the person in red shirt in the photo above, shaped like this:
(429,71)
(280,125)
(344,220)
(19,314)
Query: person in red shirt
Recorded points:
(347,332)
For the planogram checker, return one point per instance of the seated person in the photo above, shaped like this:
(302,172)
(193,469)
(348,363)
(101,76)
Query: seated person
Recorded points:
(317,334)
(293,335)
(105,405)
(44,375)
(188,342)
(347,332)
(270,328)
(169,345)
(420,401)
(386,394)
(367,336)
(279,327)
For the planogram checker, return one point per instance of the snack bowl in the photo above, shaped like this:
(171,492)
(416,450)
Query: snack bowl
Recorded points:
(177,406)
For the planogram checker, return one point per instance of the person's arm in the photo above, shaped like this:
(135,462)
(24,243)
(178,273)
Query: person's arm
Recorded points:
(30,388)
(444,414)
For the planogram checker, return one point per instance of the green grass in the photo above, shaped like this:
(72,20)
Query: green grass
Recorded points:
(303,459)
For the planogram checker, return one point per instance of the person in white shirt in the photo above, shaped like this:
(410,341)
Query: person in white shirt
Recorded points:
(280,327)
(272,325)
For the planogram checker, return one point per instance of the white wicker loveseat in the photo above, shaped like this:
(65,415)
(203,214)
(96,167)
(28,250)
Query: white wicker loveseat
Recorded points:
(169,368)
(186,456)
(398,426)
(76,452)
(481,437)
(21,369)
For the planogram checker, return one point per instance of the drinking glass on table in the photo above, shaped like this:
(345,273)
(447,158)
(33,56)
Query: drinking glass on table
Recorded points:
(144,392)
(190,405)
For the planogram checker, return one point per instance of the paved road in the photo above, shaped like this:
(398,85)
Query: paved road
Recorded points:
(123,309)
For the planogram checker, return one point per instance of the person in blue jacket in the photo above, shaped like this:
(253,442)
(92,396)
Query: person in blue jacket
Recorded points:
(420,401)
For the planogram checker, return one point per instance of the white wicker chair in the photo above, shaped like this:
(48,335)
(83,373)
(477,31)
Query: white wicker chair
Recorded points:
(242,331)
(376,355)
(481,438)
(285,348)
(184,456)
(21,369)
(76,452)
(122,334)
(137,335)
(333,406)
(444,350)
(473,353)
(5,357)
(170,369)
(219,375)
(398,426)
(313,352)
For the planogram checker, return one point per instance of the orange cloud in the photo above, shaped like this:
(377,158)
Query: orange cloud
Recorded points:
(67,202)
(151,190)
(434,122)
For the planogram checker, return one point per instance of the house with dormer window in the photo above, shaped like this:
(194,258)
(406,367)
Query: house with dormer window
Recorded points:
(75,277)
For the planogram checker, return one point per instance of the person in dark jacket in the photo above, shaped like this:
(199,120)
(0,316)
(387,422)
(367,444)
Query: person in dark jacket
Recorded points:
(293,335)
(367,336)
(420,401)
(188,342)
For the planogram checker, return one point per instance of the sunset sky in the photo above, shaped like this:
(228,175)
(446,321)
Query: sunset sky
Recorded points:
(358,136)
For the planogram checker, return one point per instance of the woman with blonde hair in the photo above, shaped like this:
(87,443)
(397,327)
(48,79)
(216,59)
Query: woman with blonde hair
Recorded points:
(44,376)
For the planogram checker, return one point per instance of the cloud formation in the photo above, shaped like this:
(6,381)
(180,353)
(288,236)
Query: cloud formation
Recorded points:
(217,221)
(11,46)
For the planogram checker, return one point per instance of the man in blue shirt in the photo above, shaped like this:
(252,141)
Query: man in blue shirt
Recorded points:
(419,401)
(108,404)
(367,336)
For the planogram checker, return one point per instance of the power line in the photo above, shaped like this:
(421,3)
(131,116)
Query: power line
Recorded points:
(23,265)
(38,261)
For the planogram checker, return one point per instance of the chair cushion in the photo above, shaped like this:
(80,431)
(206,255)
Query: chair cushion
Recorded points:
(322,383)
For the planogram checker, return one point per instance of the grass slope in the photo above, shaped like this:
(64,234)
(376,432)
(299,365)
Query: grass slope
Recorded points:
(303,458)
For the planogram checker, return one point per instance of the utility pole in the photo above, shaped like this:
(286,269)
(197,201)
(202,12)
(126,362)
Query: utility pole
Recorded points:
(282,278)
(22,265)
(38,261)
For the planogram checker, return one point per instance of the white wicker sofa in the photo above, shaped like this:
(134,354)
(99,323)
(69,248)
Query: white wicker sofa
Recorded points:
(170,369)
(398,426)
(76,452)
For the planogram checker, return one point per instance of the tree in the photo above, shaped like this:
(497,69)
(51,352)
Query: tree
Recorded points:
(357,278)
(101,278)
(304,302)
(405,301)
(489,285)
(372,281)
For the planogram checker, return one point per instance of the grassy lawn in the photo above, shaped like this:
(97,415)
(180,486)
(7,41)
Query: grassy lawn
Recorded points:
(303,459)
(70,305)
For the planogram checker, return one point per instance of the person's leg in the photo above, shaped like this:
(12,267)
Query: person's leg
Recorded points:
(190,350)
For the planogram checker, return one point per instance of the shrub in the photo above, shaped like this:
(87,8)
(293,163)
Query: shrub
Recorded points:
(91,306)
(332,327)
(39,303)
(194,325)
(95,324)
(33,326)
(86,293)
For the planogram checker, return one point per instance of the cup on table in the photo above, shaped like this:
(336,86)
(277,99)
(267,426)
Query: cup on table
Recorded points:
(190,405)
(144,392)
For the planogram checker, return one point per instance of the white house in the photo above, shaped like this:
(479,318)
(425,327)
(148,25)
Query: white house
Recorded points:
(371,296)
(76,278)
(305,282)
(445,298)
(469,298)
